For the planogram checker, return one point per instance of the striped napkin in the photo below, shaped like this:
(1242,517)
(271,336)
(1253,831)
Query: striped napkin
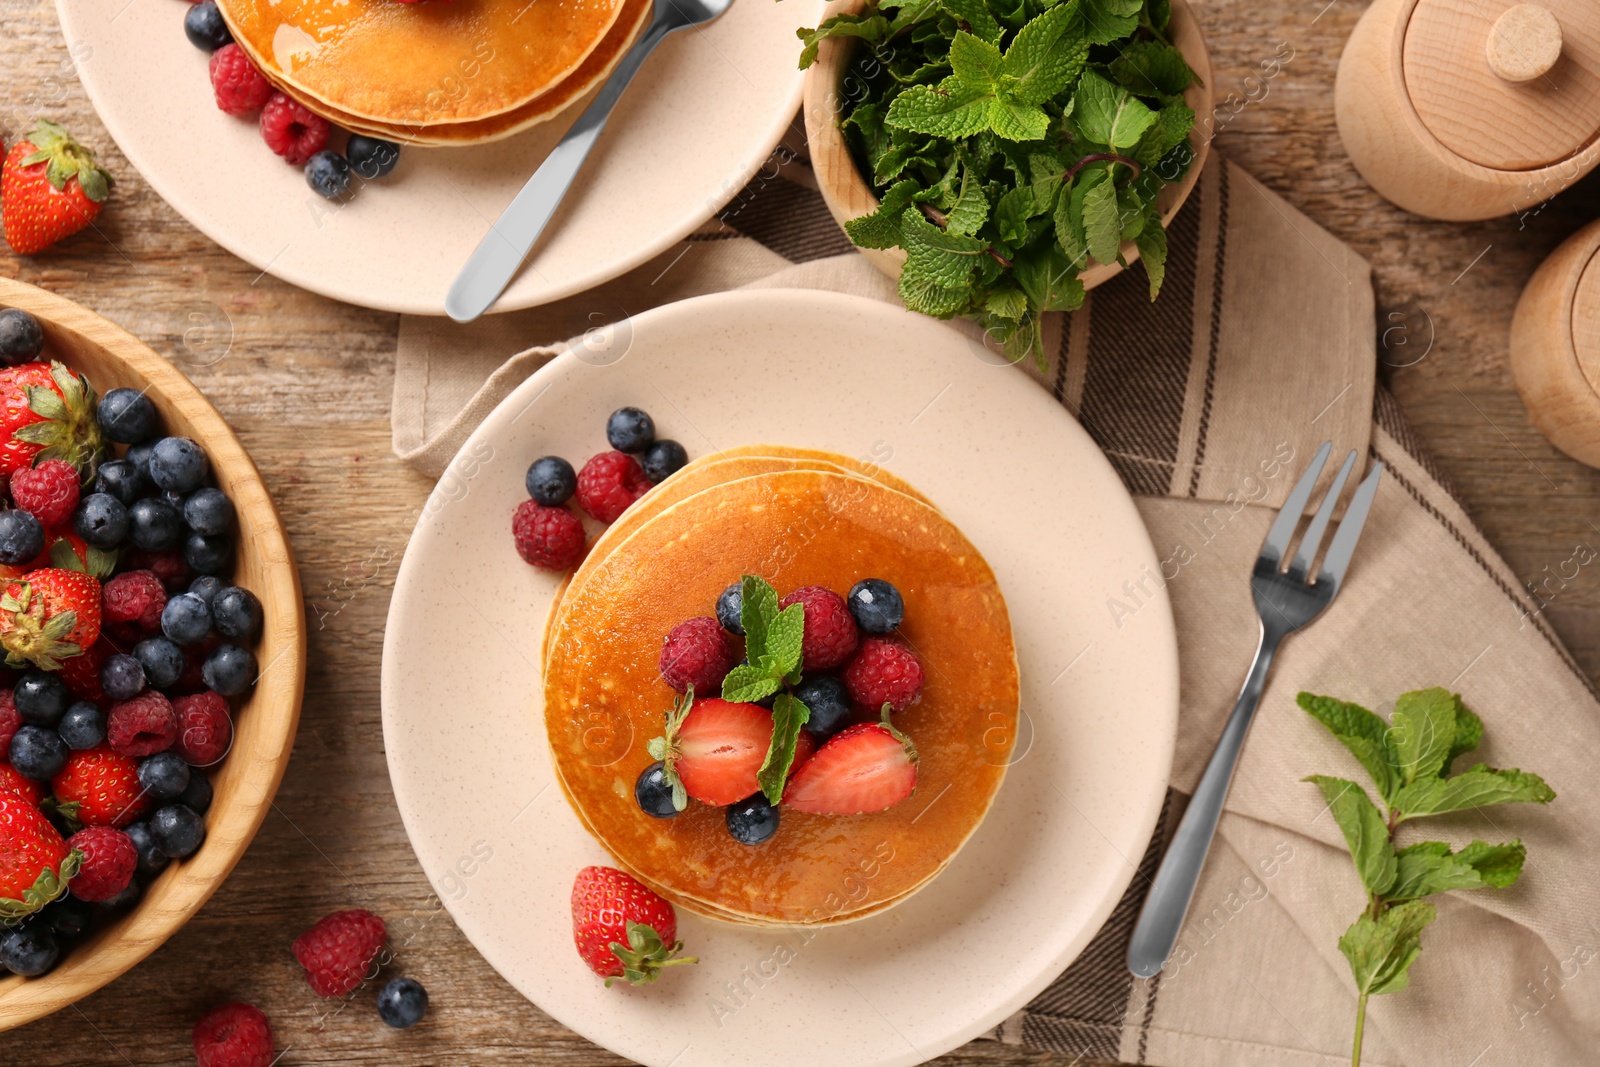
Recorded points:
(1209,403)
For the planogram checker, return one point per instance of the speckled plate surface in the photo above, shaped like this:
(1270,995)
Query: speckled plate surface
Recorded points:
(697,123)
(473,777)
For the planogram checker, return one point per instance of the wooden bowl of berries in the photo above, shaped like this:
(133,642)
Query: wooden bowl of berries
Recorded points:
(153,645)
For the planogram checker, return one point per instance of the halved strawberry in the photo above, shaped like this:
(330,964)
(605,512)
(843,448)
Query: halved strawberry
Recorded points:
(805,746)
(867,767)
(715,747)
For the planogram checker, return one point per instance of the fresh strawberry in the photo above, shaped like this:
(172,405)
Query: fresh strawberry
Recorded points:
(49,616)
(109,857)
(714,747)
(82,673)
(12,782)
(622,929)
(35,864)
(61,403)
(338,949)
(99,787)
(50,188)
(867,767)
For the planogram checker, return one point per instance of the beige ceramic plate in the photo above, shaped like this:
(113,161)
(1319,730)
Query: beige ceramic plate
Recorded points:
(461,685)
(695,126)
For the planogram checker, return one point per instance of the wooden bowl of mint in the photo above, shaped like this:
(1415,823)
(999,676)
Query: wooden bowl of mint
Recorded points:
(1000,158)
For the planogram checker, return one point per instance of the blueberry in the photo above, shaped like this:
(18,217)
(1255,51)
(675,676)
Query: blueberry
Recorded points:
(174,498)
(237,613)
(204,27)
(876,605)
(163,776)
(663,459)
(551,481)
(68,916)
(229,670)
(828,701)
(630,430)
(653,793)
(163,661)
(37,753)
(752,820)
(371,157)
(179,464)
(730,606)
(151,859)
(207,586)
(122,677)
(177,830)
(328,173)
(101,520)
(21,537)
(29,951)
(119,478)
(197,794)
(123,900)
(21,338)
(83,726)
(208,511)
(208,553)
(127,416)
(402,1003)
(139,456)
(186,619)
(154,525)
(40,698)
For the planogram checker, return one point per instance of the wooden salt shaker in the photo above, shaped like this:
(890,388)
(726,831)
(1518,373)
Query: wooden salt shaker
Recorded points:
(1471,109)
(1555,346)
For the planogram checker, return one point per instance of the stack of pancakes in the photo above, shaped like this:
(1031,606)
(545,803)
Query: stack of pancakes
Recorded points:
(436,73)
(796,518)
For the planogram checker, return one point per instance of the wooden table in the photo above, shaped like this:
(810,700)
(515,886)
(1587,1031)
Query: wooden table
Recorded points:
(307,382)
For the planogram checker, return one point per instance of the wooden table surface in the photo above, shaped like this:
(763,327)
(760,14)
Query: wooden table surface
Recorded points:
(306,382)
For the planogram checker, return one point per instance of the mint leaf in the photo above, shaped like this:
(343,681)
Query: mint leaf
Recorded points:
(1170,129)
(868,27)
(975,13)
(1017,121)
(944,259)
(1152,245)
(758,609)
(1011,214)
(788,716)
(1476,787)
(1103,21)
(1108,115)
(1423,731)
(1007,303)
(1365,831)
(927,296)
(971,208)
(1429,867)
(1381,951)
(976,62)
(951,109)
(1498,865)
(1353,726)
(1469,734)
(881,229)
(1049,279)
(784,640)
(747,684)
(1046,55)
(1152,68)
(1102,228)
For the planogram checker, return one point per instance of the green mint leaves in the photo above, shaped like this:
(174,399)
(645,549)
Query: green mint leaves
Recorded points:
(789,714)
(1409,761)
(665,748)
(772,641)
(1012,144)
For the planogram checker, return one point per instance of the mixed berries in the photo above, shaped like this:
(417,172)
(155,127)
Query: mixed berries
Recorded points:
(290,129)
(123,640)
(549,534)
(786,730)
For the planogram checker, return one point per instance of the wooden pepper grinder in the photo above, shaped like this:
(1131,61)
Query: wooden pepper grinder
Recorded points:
(1471,109)
(1555,346)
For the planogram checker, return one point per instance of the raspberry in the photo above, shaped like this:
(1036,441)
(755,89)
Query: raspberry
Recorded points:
(291,130)
(134,596)
(338,949)
(48,492)
(205,729)
(884,672)
(142,726)
(168,566)
(610,482)
(830,634)
(551,538)
(10,719)
(108,861)
(192,680)
(697,653)
(241,89)
(234,1035)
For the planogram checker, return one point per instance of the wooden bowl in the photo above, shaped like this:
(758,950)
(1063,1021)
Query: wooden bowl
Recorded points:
(264,723)
(1555,346)
(849,195)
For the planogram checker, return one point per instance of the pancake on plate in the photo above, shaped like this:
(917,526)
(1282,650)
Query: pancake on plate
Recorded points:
(793,527)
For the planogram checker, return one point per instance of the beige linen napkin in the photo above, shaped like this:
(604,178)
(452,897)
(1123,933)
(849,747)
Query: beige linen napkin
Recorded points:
(1209,403)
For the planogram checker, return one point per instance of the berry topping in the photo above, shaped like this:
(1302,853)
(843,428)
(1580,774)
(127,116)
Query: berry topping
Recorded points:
(136,597)
(609,483)
(729,606)
(828,701)
(48,491)
(752,820)
(877,606)
(108,862)
(697,653)
(547,537)
(830,634)
(867,767)
(630,430)
(551,481)
(663,459)
(291,130)
(884,672)
(99,787)
(204,27)
(714,748)
(142,726)
(240,88)
(622,929)
(402,1003)
(337,951)
(204,728)
(234,1035)
(653,791)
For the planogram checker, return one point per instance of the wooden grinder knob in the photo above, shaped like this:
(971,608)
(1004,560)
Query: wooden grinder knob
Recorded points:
(1524,43)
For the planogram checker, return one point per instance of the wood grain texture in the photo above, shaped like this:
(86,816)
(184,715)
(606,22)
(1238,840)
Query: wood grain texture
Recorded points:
(1555,347)
(306,384)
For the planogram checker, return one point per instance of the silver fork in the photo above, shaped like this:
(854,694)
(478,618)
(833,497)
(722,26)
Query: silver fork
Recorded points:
(1286,601)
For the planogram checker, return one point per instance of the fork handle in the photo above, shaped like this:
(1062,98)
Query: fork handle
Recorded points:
(1168,900)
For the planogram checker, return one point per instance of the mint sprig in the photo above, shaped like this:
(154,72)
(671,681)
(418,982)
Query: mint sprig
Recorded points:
(1409,760)
(789,714)
(773,641)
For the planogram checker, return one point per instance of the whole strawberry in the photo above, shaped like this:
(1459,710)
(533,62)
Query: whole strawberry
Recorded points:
(49,616)
(50,188)
(48,492)
(337,951)
(47,412)
(12,782)
(233,1035)
(109,858)
(99,787)
(35,864)
(622,929)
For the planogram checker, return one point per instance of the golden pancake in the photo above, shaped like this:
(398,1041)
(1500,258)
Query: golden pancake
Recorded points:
(605,699)
(419,63)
